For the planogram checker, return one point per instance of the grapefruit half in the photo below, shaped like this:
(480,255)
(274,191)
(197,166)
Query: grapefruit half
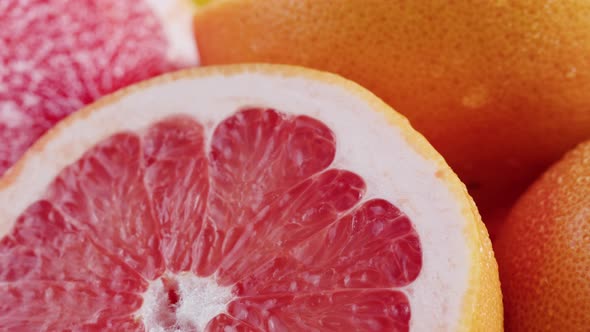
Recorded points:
(57,56)
(241,198)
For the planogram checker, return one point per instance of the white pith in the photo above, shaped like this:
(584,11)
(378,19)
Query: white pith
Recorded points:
(367,143)
(176,17)
(201,299)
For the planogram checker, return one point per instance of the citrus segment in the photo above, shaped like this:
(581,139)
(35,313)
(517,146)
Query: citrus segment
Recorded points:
(244,210)
(223,323)
(57,56)
(296,215)
(43,246)
(104,194)
(351,310)
(63,306)
(256,156)
(52,277)
(176,178)
(374,246)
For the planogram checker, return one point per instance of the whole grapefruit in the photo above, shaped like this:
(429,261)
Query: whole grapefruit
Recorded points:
(544,250)
(498,87)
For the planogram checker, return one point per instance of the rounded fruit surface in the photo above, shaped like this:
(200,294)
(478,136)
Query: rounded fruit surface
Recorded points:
(253,198)
(543,250)
(57,56)
(498,87)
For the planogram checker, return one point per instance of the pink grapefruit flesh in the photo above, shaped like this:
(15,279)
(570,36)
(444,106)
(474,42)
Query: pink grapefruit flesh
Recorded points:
(256,223)
(58,55)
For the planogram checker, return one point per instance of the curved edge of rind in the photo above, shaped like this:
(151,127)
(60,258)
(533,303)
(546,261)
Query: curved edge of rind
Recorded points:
(482,306)
(483,301)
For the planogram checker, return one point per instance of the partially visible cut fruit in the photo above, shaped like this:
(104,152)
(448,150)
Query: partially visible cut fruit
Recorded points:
(544,250)
(58,55)
(248,198)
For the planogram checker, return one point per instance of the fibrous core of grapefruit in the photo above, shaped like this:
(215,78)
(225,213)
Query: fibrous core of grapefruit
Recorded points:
(241,198)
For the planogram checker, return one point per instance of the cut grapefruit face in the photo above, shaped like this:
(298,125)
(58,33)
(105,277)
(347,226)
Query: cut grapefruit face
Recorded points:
(58,55)
(241,198)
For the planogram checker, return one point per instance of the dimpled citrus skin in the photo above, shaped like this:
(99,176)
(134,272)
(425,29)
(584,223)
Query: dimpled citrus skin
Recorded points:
(498,87)
(544,250)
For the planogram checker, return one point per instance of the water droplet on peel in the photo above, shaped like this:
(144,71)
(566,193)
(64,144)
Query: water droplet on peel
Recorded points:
(572,73)
(476,97)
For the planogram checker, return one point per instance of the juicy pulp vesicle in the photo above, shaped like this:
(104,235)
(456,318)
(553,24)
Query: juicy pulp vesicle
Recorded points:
(257,209)
(58,55)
